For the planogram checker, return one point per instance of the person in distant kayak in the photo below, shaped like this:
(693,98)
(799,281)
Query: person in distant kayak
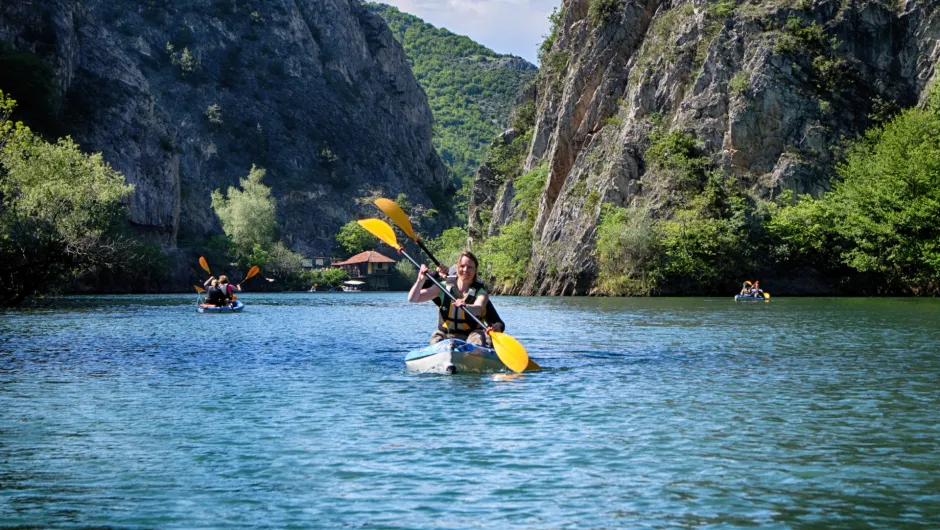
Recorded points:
(471,297)
(228,289)
(756,291)
(746,289)
(214,295)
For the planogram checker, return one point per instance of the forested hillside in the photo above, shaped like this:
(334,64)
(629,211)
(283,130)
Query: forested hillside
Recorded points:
(471,89)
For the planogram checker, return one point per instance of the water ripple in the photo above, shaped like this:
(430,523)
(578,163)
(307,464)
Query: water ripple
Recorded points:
(136,412)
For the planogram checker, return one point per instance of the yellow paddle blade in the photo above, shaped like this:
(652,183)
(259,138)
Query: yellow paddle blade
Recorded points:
(766,296)
(252,272)
(510,351)
(381,230)
(204,264)
(399,217)
(199,289)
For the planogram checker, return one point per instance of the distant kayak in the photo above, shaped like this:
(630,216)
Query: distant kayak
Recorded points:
(235,308)
(748,298)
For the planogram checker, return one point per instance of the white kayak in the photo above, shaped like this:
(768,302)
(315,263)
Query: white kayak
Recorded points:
(450,356)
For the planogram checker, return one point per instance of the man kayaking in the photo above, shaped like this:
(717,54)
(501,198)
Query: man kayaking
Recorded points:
(470,294)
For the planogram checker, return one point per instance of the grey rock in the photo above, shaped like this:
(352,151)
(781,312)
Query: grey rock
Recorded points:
(318,92)
(669,65)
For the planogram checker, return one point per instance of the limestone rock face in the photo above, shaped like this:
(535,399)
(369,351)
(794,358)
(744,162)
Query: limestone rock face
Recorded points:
(318,92)
(769,108)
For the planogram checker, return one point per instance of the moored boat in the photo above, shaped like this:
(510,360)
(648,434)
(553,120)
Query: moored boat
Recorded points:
(453,355)
(234,308)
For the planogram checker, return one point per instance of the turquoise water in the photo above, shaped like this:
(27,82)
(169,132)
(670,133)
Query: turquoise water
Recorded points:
(137,412)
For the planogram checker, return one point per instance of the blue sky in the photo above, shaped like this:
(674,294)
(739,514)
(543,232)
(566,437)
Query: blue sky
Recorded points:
(505,26)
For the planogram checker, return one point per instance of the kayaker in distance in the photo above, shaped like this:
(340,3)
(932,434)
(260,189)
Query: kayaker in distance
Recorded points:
(214,296)
(756,291)
(228,289)
(470,294)
(746,289)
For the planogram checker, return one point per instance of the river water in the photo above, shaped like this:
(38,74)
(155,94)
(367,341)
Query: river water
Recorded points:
(137,412)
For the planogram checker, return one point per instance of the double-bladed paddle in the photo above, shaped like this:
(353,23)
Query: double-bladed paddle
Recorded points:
(400,218)
(251,274)
(509,350)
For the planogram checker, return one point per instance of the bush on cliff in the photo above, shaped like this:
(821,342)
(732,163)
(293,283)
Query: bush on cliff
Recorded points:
(880,218)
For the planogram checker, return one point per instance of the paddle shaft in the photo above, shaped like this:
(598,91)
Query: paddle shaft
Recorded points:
(427,252)
(441,287)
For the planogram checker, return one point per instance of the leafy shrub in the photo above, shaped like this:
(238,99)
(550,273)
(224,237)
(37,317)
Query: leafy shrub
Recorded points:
(601,12)
(628,251)
(880,217)
(739,84)
(61,211)
(448,245)
(505,257)
(678,153)
(353,238)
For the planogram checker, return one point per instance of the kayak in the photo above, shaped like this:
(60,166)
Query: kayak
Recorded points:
(747,298)
(450,356)
(237,308)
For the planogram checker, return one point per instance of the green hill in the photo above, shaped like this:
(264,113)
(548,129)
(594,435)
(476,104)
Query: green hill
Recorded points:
(471,89)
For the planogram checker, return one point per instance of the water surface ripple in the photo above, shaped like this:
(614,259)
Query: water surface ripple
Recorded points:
(137,412)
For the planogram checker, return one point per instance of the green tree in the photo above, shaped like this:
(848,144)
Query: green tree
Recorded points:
(880,218)
(628,251)
(448,246)
(354,239)
(60,211)
(248,214)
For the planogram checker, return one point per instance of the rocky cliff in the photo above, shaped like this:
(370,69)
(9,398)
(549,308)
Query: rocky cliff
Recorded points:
(183,98)
(768,89)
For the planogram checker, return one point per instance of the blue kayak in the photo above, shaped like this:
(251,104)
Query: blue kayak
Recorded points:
(748,298)
(235,308)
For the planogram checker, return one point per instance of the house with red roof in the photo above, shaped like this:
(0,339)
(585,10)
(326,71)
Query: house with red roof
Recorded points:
(371,266)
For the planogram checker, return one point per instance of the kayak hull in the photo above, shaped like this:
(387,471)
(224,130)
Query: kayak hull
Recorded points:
(747,298)
(236,308)
(453,356)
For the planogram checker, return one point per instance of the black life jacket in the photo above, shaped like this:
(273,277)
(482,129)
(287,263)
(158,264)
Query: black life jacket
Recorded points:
(227,290)
(215,296)
(450,319)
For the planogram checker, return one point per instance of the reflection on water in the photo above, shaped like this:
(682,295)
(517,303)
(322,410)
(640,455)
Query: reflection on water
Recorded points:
(139,412)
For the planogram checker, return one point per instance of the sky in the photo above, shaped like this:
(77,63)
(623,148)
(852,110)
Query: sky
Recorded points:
(514,27)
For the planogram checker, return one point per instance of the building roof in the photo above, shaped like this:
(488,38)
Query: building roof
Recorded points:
(369,256)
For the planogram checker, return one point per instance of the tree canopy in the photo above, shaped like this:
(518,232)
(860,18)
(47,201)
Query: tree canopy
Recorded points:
(61,213)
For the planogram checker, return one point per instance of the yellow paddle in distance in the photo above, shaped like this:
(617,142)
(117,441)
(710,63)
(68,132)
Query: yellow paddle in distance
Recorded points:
(199,289)
(204,264)
(509,350)
(766,296)
(400,218)
(252,272)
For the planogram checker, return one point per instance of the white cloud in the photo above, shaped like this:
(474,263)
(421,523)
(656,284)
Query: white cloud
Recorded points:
(505,26)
